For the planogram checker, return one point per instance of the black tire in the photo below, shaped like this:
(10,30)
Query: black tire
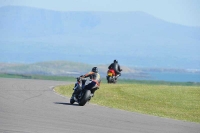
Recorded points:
(85,98)
(72,101)
(109,79)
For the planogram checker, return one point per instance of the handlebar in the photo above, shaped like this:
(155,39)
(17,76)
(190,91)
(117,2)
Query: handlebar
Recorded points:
(83,78)
(80,78)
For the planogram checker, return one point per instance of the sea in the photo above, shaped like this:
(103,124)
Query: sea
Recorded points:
(172,77)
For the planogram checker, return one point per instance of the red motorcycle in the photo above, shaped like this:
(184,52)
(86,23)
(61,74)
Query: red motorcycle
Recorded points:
(111,76)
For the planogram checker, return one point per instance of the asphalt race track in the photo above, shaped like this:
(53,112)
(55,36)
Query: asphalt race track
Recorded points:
(31,106)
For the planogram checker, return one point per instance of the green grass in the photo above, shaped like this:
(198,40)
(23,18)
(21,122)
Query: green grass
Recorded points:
(170,101)
(43,77)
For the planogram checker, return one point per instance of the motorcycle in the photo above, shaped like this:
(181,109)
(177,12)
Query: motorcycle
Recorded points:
(83,95)
(111,76)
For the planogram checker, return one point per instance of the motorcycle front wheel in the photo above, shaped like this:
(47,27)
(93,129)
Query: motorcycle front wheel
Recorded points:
(72,101)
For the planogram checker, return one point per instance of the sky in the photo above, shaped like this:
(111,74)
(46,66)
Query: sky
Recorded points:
(184,12)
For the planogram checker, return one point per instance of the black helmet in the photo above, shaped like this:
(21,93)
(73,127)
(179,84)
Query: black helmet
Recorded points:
(115,61)
(95,69)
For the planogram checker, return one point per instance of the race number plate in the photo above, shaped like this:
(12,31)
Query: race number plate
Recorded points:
(109,74)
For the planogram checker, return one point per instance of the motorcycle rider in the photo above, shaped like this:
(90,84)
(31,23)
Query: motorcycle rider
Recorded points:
(95,80)
(116,67)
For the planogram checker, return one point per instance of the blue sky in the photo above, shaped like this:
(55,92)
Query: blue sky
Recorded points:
(185,12)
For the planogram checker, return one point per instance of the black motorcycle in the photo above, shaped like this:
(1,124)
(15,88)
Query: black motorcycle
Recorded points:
(82,95)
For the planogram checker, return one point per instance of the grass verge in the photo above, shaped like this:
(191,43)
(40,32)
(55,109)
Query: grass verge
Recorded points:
(170,101)
(43,77)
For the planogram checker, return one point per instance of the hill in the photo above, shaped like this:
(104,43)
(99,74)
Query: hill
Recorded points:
(64,68)
(30,35)
(75,69)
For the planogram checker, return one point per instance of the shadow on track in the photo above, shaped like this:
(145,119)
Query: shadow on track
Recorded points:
(66,104)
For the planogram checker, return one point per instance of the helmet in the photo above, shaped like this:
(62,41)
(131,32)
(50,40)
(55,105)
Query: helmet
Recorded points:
(115,61)
(95,69)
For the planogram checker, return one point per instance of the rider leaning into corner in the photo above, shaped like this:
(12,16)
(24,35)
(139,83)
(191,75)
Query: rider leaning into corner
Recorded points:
(95,79)
(116,67)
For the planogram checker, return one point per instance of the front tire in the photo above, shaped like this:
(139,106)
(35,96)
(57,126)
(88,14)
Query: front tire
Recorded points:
(72,101)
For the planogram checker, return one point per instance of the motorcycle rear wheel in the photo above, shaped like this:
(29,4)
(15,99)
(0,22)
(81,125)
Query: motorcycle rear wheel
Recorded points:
(109,79)
(85,98)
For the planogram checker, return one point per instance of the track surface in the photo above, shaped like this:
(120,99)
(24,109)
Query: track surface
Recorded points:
(31,106)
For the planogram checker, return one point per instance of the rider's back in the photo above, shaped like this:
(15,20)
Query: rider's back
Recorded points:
(114,66)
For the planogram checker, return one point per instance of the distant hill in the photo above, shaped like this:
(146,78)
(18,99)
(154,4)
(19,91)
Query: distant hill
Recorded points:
(64,68)
(29,35)
(75,69)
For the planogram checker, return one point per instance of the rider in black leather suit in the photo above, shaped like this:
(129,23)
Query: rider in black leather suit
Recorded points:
(116,67)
